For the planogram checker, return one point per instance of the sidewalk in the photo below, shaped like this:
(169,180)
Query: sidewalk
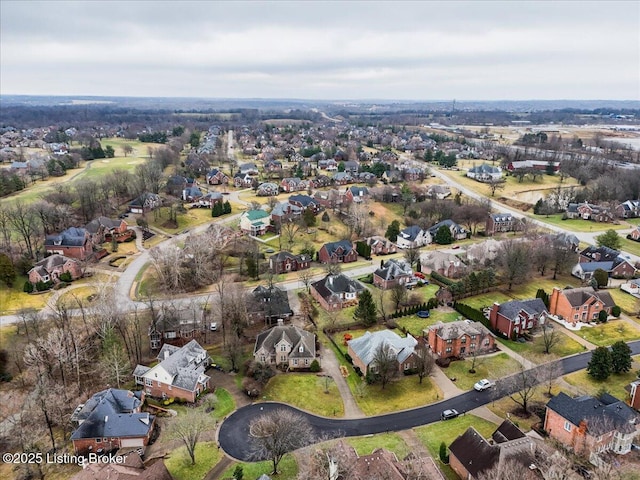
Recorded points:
(331,366)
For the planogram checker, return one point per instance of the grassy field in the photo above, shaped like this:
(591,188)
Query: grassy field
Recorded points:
(391,441)
(193,217)
(400,394)
(485,300)
(179,464)
(436,433)
(534,351)
(610,332)
(415,325)
(287,469)
(306,391)
(14,299)
(624,300)
(614,385)
(630,246)
(82,293)
(226,404)
(576,224)
(529,289)
(506,408)
(494,367)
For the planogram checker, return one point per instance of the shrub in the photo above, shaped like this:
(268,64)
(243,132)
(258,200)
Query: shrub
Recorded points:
(348,358)
(28,287)
(42,286)
(615,311)
(315,366)
(358,371)
(66,277)
(602,316)
(238,473)
(432,303)
(252,388)
(444,458)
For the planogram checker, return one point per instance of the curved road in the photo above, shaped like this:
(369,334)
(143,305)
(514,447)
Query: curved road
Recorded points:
(234,433)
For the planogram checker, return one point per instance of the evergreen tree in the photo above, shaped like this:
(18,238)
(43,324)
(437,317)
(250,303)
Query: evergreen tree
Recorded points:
(366,311)
(620,357)
(443,236)
(601,364)
(610,239)
(226,208)
(393,230)
(7,270)
(309,218)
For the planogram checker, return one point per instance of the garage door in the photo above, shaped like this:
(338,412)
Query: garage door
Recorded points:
(131,442)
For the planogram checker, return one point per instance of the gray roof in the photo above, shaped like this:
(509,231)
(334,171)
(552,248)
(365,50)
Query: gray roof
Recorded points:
(580,296)
(331,247)
(109,414)
(593,266)
(533,307)
(502,217)
(601,254)
(94,225)
(304,200)
(410,233)
(436,260)
(47,264)
(600,415)
(457,329)
(183,363)
(336,284)
(299,340)
(456,228)
(484,168)
(271,301)
(282,256)
(474,452)
(365,347)
(71,237)
(394,268)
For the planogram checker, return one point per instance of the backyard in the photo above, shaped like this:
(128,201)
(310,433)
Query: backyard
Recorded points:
(287,469)
(179,464)
(317,394)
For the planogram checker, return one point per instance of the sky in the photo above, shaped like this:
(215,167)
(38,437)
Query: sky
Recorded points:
(360,50)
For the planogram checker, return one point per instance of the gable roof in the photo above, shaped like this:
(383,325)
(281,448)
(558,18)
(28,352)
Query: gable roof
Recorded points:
(253,215)
(184,364)
(365,347)
(411,233)
(511,309)
(94,225)
(437,260)
(336,284)
(304,200)
(485,168)
(601,415)
(474,452)
(580,296)
(71,237)
(282,256)
(332,247)
(453,330)
(48,264)
(453,226)
(394,268)
(601,254)
(296,337)
(271,301)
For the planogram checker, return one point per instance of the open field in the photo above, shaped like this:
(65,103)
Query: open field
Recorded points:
(14,299)
(400,394)
(314,393)
(605,334)
(626,301)
(493,366)
(287,469)
(391,441)
(534,351)
(614,385)
(193,217)
(577,224)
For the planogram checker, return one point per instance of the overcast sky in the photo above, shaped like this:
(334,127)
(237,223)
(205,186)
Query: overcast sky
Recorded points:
(323,50)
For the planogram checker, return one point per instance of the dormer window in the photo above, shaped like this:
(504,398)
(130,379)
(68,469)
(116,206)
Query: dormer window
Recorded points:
(301,349)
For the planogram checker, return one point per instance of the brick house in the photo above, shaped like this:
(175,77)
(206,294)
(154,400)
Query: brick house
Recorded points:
(635,234)
(145,203)
(412,237)
(176,326)
(502,222)
(335,292)
(458,232)
(341,251)
(618,268)
(598,254)
(356,194)
(255,222)
(110,420)
(459,339)
(517,316)
(363,350)
(634,394)
(267,189)
(579,304)
(73,242)
(330,198)
(102,229)
(293,184)
(216,177)
(589,425)
(393,272)
(50,268)
(268,304)
(380,245)
(445,264)
(628,209)
(244,180)
(305,202)
(589,211)
(285,345)
(285,212)
(179,373)
(284,262)
(471,454)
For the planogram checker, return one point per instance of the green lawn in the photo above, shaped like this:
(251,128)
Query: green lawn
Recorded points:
(287,469)
(14,299)
(402,393)
(624,300)
(493,367)
(529,289)
(192,218)
(610,332)
(226,404)
(447,431)
(485,300)
(179,464)
(415,325)
(630,246)
(614,384)
(576,224)
(307,391)
(391,441)
(534,351)
(98,168)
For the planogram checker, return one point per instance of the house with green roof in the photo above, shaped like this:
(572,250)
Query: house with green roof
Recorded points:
(255,222)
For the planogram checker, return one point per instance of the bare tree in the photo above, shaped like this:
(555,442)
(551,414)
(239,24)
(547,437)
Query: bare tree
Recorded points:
(278,432)
(381,308)
(25,221)
(495,185)
(506,469)
(525,384)
(188,427)
(562,258)
(384,364)
(127,149)
(289,229)
(305,277)
(548,374)
(515,262)
(412,255)
(398,295)
(5,228)
(425,362)
(550,337)
(233,352)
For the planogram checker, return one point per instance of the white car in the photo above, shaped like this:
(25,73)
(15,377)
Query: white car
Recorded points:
(483,385)
(214,326)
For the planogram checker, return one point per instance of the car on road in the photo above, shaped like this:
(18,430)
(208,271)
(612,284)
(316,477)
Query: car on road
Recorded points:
(449,414)
(483,385)
(455,247)
(423,314)
(214,326)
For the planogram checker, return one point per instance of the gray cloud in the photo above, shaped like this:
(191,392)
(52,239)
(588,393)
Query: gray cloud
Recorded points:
(399,50)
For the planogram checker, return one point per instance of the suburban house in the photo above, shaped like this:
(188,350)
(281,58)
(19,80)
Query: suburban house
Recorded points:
(517,316)
(598,254)
(320,181)
(50,268)
(485,173)
(335,292)
(392,176)
(438,191)
(589,211)
(110,420)
(458,232)
(286,345)
(293,184)
(502,222)
(632,287)
(73,242)
(132,468)
(176,326)
(102,229)
(579,304)
(363,350)
(471,454)
(191,194)
(341,251)
(590,425)
(305,202)
(628,209)
(413,237)
(356,194)
(330,198)
(216,177)
(342,178)
(459,339)
(145,203)
(540,165)
(380,245)
(394,272)
(267,189)
(208,200)
(246,180)
(635,234)
(284,262)
(255,222)
(446,264)
(285,212)
(248,169)
(179,373)
(618,268)
(564,240)
(268,304)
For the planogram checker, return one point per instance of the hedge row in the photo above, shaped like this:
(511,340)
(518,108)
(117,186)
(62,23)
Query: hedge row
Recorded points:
(409,310)
(472,314)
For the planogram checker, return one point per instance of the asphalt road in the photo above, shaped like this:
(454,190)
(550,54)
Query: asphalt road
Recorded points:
(235,440)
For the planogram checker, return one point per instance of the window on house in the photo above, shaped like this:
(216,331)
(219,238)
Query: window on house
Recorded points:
(283,348)
(448,350)
(98,440)
(473,337)
(295,361)
(464,340)
(575,316)
(301,349)
(306,361)
(283,358)
(262,358)
(567,426)
(472,346)
(449,341)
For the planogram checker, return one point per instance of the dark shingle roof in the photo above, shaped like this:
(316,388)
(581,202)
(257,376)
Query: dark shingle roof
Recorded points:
(271,301)
(410,233)
(394,268)
(474,452)
(303,342)
(533,307)
(580,296)
(601,254)
(331,247)
(335,284)
(71,237)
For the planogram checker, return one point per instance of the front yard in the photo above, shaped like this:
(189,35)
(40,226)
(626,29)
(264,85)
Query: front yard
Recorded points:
(614,384)
(179,464)
(605,334)
(310,392)
(577,224)
(493,367)
(534,351)
(287,469)
(624,300)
